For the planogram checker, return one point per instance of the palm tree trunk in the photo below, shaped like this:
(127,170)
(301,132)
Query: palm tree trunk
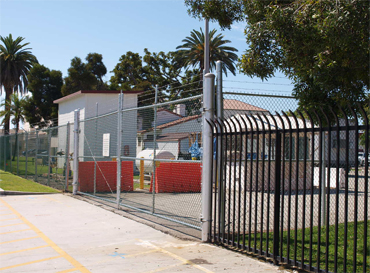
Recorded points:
(8,92)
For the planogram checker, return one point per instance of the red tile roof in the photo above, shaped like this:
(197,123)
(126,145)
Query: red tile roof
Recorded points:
(239,105)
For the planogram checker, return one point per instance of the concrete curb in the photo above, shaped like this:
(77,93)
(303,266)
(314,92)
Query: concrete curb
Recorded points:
(3,192)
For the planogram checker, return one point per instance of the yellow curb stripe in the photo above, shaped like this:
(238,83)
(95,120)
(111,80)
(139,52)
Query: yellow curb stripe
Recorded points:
(33,262)
(22,250)
(177,257)
(13,225)
(74,262)
(18,240)
(15,231)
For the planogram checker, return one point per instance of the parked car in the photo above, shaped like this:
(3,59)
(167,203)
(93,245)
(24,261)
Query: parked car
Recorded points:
(362,160)
(32,152)
(360,155)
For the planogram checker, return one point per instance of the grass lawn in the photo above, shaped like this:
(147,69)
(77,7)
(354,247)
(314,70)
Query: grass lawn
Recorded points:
(137,186)
(11,166)
(11,182)
(321,251)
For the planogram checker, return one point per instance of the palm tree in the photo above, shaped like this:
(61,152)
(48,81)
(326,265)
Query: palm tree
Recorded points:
(192,51)
(14,112)
(15,62)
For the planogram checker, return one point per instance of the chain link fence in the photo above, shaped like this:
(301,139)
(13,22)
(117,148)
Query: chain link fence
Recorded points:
(38,155)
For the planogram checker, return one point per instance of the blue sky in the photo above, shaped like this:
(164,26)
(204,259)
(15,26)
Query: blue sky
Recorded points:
(59,30)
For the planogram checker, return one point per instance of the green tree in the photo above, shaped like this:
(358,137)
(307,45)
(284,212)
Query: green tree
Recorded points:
(15,62)
(96,66)
(143,73)
(79,78)
(135,72)
(321,45)
(192,51)
(45,86)
(13,112)
(85,76)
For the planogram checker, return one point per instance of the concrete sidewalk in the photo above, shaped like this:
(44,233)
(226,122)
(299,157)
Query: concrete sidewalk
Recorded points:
(59,233)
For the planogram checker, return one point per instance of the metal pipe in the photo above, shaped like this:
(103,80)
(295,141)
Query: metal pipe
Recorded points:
(155,145)
(119,144)
(220,116)
(208,114)
(66,170)
(49,163)
(206,47)
(76,131)
(96,134)
(26,153)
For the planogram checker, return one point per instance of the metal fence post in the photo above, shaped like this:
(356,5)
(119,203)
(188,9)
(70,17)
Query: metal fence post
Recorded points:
(49,147)
(220,116)
(96,136)
(155,144)
(76,131)
(208,114)
(4,154)
(323,181)
(36,152)
(26,153)
(66,169)
(17,150)
(277,186)
(119,144)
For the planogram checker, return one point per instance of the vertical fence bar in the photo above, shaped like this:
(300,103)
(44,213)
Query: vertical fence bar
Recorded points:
(296,189)
(155,146)
(345,248)
(4,153)
(277,184)
(10,154)
(290,155)
(356,195)
(36,152)
(208,114)
(95,144)
(119,144)
(76,149)
(66,169)
(245,140)
(337,185)
(327,191)
(48,148)
(366,264)
(282,184)
(256,186)
(304,188)
(263,183)
(26,170)
(17,149)
(235,141)
(227,147)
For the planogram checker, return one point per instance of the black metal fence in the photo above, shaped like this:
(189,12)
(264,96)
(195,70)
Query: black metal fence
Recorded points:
(291,187)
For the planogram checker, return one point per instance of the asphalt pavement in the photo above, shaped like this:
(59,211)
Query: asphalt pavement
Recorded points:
(59,233)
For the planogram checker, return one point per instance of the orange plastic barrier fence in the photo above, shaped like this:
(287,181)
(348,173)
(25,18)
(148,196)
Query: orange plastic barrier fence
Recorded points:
(177,177)
(106,176)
